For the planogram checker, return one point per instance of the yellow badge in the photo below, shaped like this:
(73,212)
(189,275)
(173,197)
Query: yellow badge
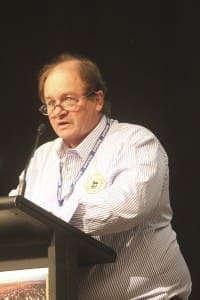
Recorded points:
(95,184)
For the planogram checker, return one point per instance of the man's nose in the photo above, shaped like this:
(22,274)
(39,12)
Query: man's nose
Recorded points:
(58,110)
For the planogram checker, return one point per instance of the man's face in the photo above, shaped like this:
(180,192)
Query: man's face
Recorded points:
(72,126)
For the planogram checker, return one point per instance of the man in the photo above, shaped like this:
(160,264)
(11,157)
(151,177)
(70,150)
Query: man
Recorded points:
(110,180)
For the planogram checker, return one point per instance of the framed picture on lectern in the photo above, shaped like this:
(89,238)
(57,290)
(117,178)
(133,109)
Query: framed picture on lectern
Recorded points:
(24,284)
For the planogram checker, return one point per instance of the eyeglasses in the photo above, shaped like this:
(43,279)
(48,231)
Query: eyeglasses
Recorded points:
(68,103)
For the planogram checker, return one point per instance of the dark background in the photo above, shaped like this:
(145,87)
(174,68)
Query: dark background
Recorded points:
(149,54)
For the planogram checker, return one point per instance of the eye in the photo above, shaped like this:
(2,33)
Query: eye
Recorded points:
(50,103)
(68,99)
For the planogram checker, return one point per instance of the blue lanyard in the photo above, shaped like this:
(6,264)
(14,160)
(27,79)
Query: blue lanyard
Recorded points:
(82,169)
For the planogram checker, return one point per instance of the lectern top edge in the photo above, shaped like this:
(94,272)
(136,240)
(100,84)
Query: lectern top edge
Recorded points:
(52,222)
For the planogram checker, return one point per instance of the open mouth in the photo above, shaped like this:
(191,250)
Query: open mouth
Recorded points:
(63,123)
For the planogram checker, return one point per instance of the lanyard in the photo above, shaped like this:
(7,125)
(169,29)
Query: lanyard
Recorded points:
(82,169)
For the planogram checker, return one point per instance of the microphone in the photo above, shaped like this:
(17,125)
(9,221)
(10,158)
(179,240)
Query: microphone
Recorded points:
(22,184)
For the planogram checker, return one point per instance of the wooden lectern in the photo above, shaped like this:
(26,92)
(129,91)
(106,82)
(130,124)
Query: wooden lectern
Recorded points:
(27,231)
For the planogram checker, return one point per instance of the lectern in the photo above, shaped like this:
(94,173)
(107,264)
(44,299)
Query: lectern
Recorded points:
(27,231)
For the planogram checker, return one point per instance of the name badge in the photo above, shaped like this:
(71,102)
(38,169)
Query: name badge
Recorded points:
(95,184)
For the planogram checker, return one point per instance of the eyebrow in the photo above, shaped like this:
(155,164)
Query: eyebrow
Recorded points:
(63,94)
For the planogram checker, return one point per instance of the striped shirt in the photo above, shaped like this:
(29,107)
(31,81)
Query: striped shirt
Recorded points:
(121,199)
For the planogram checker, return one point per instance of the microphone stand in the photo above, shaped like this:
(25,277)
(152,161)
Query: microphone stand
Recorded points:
(22,184)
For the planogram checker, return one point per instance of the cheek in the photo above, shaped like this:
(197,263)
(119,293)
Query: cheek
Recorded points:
(52,122)
(87,117)
(82,123)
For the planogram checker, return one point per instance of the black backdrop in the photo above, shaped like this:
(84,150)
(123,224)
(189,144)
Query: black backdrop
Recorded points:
(149,54)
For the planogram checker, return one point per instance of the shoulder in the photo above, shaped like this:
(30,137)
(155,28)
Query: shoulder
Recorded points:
(49,145)
(131,132)
(48,148)
(134,136)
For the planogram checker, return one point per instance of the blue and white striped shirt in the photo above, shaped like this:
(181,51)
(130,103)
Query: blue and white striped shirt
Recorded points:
(122,199)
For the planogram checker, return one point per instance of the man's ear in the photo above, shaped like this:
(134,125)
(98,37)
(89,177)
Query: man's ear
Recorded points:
(99,97)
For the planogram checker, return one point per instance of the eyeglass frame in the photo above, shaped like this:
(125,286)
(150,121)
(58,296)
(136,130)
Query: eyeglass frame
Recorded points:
(44,106)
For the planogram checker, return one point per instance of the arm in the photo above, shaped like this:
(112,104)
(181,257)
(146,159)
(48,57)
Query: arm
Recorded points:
(141,166)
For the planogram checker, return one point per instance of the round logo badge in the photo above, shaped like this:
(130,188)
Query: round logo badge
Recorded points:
(95,184)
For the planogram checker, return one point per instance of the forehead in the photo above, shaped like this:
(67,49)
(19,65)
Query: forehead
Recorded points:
(66,75)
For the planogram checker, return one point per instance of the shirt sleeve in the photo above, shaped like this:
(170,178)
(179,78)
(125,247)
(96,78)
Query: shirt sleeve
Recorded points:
(15,191)
(140,172)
